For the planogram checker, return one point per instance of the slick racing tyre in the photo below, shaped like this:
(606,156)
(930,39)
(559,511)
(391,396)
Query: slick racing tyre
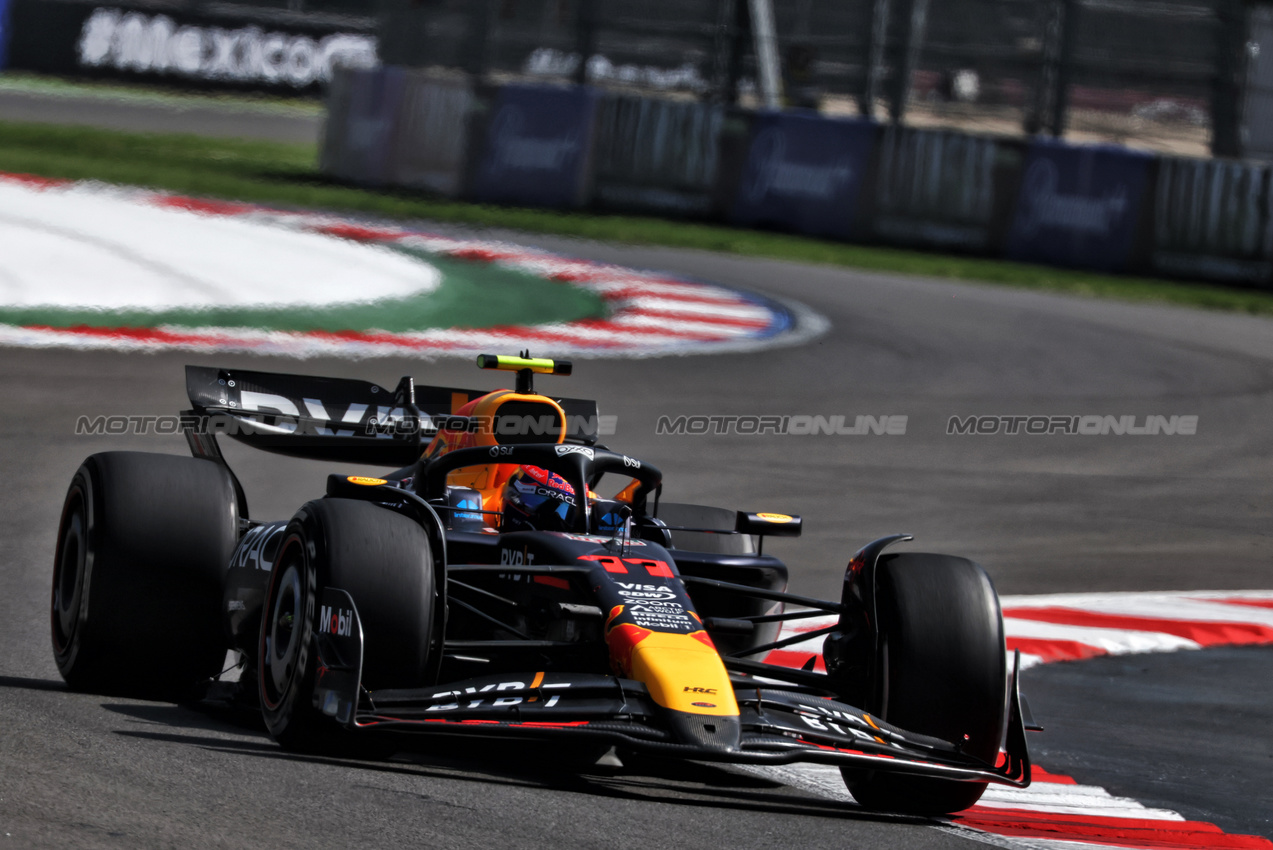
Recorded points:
(942,672)
(384,562)
(143,544)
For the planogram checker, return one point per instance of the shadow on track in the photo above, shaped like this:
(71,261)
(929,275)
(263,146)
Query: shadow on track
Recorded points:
(641,779)
(32,684)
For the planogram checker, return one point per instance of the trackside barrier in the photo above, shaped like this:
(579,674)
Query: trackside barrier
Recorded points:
(431,140)
(398,127)
(657,155)
(1093,207)
(1079,206)
(4,34)
(537,147)
(1211,219)
(937,189)
(364,107)
(804,173)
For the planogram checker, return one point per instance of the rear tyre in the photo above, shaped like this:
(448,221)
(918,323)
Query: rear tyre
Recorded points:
(943,672)
(143,545)
(384,562)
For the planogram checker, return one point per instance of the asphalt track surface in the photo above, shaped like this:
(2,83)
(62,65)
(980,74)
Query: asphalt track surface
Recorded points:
(1042,513)
(202,116)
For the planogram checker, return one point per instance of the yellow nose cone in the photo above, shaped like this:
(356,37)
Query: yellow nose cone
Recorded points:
(684,673)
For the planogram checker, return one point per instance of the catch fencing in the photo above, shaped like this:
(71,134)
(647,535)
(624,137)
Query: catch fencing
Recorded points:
(1181,77)
(1099,207)
(1168,75)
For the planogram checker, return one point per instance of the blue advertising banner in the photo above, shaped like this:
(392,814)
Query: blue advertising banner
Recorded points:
(804,173)
(537,149)
(4,34)
(1078,205)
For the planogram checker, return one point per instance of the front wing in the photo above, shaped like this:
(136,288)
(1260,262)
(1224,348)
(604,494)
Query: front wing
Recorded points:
(779,725)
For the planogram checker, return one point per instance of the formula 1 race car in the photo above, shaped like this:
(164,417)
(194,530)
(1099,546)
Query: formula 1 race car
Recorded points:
(486,589)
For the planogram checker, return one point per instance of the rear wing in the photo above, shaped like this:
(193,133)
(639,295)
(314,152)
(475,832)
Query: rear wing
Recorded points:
(341,420)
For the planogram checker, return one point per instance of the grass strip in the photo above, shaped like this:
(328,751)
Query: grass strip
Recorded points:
(286,175)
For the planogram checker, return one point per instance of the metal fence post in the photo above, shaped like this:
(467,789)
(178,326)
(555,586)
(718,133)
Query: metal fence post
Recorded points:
(908,58)
(877,26)
(1065,68)
(585,37)
(726,50)
(738,48)
(481,14)
(1048,113)
(1227,83)
(765,35)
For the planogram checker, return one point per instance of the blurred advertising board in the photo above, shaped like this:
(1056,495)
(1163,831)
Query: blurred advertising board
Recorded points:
(362,113)
(1212,219)
(1078,206)
(942,190)
(536,147)
(86,39)
(804,173)
(4,34)
(656,155)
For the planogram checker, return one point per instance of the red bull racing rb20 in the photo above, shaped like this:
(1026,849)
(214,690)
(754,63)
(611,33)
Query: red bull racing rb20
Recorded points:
(486,588)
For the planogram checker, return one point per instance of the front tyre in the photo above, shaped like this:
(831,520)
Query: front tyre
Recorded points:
(143,544)
(384,562)
(942,672)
